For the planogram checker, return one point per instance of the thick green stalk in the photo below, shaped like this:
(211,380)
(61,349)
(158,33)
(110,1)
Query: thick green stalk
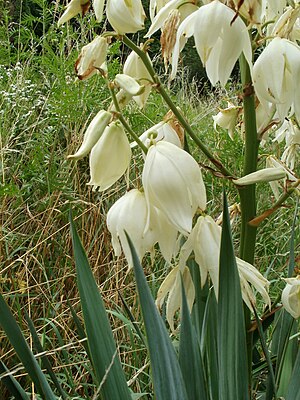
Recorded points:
(247,193)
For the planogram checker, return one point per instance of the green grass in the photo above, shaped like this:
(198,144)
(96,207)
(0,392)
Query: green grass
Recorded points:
(44,112)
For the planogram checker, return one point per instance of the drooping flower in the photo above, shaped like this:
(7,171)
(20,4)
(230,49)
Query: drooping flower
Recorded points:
(220,38)
(135,68)
(204,241)
(173,183)
(276,74)
(92,134)
(277,186)
(110,157)
(171,287)
(291,296)
(226,118)
(91,58)
(129,214)
(73,8)
(125,16)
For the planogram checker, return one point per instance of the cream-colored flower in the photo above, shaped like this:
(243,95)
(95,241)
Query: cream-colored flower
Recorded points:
(73,8)
(171,287)
(135,68)
(276,74)
(250,275)
(173,183)
(110,157)
(291,296)
(227,118)
(278,187)
(125,16)
(91,58)
(92,134)
(219,38)
(205,241)
(129,214)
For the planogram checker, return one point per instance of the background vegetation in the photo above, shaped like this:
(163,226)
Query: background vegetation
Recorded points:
(44,112)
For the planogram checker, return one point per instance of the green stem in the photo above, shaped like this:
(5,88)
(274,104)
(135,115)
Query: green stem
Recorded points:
(123,120)
(247,193)
(160,88)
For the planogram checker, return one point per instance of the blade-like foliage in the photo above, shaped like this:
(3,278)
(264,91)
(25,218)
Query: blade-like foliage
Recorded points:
(190,358)
(167,378)
(16,338)
(102,346)
(294,387)
(232,350)
(12,384)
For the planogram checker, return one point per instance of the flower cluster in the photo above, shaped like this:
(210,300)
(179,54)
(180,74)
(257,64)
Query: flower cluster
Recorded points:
(171,194)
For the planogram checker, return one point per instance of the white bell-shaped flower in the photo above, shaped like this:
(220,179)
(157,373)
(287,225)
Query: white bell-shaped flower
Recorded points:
(276,77)
(220,38)
(204,240)
(227,118)
(291,296)
(135,68)
(129,214)
(173,183)
(171,287)
(125,16)
(110,157)
(73,8)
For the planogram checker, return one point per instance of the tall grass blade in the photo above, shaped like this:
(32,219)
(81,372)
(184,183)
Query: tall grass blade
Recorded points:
(16,338)
(107,366)
(232,350)
(190,358)
(167,378)
(12,384)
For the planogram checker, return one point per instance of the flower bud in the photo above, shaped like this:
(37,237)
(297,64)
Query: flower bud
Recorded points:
(91,58)
(263,175)
(92,134)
